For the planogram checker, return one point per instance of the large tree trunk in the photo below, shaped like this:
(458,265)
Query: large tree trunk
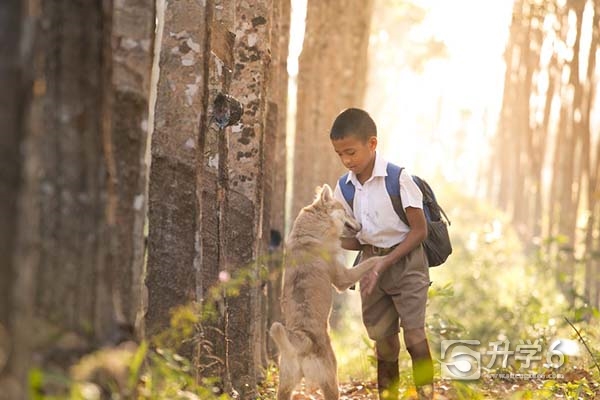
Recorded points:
(568,174)
(131,42)
(77,236)
(276,143)
(331,77)
(173,207)
(61,251)
(506,159)
(212,180)
(11,103)
(210,185)
(11,166)
(591,165)
(245,223)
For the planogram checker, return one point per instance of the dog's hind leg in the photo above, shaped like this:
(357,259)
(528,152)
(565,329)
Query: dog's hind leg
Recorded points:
(322,371)
(289,376)
(284,392)
(330,390)
(328,382)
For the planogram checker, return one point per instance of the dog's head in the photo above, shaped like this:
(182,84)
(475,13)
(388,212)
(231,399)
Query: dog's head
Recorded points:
(330,207)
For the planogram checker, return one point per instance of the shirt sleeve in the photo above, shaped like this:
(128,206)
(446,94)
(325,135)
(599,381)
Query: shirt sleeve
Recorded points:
(410,193)
(337,194)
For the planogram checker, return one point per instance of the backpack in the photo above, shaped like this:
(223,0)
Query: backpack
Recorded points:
(437,244)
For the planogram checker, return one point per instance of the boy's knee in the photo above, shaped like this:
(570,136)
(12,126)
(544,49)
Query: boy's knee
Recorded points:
(414,336)
(388,348)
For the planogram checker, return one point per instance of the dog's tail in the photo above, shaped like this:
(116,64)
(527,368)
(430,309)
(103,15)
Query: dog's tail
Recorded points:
(280,337)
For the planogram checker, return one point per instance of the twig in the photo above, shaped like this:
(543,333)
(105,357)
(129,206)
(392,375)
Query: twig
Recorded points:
(584,343)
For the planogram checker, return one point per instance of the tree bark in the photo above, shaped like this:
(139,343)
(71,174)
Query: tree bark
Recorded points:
(11,104)
(12,97)
(276,143)
(591,165)
(213,184)
(131,43)
(210,184)
(172,194)
(245,217)
(78,182)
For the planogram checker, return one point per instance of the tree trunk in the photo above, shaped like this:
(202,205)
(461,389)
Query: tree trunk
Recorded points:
(521,170)
(131,42)
(12,97)
(11,103)
(275,142)
(61,252)
(331,77)
(570,188)
(245,223)
(79,183)
(213,216)
(213,184)
(591,163)
(173,206)
(505,157)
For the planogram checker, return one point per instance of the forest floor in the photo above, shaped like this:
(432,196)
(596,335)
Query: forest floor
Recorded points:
(574,384)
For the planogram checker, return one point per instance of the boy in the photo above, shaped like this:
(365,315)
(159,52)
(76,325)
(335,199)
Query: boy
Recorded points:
(394,294)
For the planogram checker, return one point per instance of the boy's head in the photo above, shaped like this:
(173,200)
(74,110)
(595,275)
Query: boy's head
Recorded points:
(354,138)
(355,122)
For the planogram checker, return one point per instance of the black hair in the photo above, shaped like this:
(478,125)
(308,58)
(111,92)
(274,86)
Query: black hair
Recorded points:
(353,121)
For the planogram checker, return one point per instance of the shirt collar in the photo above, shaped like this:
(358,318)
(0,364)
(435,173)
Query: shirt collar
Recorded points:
(379,169)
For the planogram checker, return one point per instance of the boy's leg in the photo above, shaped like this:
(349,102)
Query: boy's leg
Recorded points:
(388,375)
(411,303)
(381,320)
(400,293)
(422,364)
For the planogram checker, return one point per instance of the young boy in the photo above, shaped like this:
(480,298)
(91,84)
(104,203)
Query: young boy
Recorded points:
(394,294)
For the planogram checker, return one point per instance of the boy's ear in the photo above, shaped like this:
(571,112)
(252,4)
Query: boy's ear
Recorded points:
(326,194)
(372,142)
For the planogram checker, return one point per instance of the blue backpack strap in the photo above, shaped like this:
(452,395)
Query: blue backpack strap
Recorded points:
(347,188)
(392,185)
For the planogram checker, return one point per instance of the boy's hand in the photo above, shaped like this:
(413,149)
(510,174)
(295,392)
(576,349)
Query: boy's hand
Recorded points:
(369,281)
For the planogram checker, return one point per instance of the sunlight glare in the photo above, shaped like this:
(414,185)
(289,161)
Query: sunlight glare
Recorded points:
(439,120)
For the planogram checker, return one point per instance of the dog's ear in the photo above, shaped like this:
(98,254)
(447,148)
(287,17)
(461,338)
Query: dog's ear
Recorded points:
(318,190)
(326,194)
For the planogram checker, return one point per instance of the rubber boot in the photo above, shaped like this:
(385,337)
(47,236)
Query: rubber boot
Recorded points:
(425,392)
(388,376)
(422,366)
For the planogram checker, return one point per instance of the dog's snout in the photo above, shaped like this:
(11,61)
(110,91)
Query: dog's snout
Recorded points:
(353,225)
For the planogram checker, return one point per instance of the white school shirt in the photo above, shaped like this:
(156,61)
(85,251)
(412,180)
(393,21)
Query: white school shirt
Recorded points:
(373,207)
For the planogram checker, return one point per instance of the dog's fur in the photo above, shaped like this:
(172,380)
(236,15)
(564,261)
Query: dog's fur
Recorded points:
(313,263)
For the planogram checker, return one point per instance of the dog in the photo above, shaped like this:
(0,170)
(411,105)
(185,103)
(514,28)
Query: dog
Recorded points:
(313,263)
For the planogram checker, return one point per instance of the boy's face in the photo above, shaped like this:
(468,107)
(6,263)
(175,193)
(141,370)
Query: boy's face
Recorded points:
(356,154)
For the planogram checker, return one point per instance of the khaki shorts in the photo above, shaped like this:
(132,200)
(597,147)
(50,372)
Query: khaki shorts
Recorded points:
(399,298)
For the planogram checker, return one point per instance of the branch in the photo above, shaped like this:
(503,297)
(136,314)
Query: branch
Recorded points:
(584,343)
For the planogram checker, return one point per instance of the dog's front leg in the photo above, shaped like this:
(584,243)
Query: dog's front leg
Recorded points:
(346,277)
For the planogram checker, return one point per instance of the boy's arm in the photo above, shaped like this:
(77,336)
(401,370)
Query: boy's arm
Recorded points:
(418,233)
(350,243)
